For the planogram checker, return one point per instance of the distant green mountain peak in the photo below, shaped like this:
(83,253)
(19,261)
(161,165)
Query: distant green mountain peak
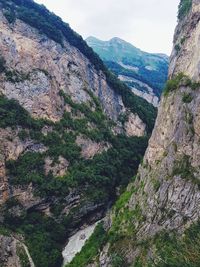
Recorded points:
(145,73)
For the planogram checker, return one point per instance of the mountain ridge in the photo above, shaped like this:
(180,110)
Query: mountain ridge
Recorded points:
(144,73)
(114,39)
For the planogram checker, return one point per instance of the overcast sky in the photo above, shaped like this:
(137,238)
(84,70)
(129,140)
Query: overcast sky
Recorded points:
(147,24)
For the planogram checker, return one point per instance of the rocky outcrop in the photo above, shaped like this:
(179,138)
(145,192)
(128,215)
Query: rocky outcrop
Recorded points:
(134,126)
(57,169)
(90,148)
(147,92)
(11,147)
(14,253)
(185,55)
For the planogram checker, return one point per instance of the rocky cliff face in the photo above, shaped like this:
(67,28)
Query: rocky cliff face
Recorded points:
(66,136)
(14,253)
(159,224)
(40,68)
(172,157)
(37,70)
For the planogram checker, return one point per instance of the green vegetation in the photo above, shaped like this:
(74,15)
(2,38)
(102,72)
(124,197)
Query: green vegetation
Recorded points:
(16,76)
(184,168)
(134,61)
(97,177)
(156,184)
(184,8)
(187,98)
(181,80)
(120,236)
(167,248)
(43,236)
(10,15)
(12,114)
(103,172)
(118,260)
(123,228)
(183,39)
(178,251)
(21,253)
(170,249)
(2,64)
(174,83)
(91,248)
(4,231)
(177,47)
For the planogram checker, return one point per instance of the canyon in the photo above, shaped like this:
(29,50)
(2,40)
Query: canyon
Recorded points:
(72,151)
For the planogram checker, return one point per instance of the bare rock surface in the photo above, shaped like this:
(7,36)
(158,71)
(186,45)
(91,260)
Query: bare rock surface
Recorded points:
(91,148)
(13,252)
(135,126)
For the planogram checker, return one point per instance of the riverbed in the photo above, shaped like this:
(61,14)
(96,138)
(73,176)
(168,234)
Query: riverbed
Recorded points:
(76,243)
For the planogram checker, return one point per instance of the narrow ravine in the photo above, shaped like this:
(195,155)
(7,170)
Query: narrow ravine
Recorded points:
(76,243)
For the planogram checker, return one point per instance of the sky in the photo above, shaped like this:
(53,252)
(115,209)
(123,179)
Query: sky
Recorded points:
(147,24)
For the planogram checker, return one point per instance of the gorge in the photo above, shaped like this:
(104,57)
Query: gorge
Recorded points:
(72,150)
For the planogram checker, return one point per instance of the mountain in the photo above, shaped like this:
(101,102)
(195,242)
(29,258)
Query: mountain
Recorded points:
(71,135)
(156,222)
(143,72)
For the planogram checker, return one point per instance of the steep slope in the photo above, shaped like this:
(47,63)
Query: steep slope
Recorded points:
(156,222)
(71,135)
(143,72)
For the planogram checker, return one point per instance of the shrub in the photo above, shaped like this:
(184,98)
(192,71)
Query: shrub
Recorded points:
(24,260)
(175,250)
(187,98)
(12,114)
(177,47)
(118,261)
(42,235)
(184,168)
(2,64)
(156,184)
(16,76)
(184,8)
(10,15)
(173,83)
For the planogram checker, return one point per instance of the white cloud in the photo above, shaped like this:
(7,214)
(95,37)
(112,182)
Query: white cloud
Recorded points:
(148,24)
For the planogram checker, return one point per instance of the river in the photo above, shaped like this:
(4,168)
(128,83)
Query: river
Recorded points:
(76,243)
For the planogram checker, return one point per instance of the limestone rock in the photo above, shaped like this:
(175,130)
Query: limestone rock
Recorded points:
(47,69)
(91,148)
(134,126)
(12,251)
(57,169)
